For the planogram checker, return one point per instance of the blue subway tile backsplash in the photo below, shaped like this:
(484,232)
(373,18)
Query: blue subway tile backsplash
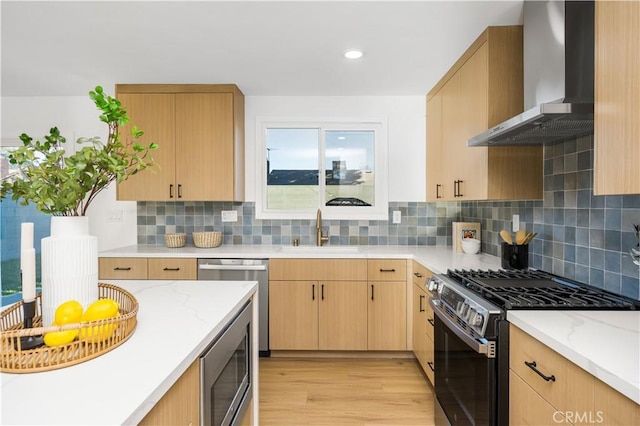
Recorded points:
(580,235)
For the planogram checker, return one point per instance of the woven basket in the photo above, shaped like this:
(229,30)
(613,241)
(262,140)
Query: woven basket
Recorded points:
(15,359)
(207,239)
(175,240)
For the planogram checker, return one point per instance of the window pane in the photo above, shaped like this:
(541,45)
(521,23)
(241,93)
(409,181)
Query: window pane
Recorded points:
(349,164)
(12,214)
(292,169)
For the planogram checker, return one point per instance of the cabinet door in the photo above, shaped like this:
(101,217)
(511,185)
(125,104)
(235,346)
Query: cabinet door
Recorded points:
(293,315)
(387,314)
(527,407)
(181,404)
(434,148)
(154,114)
(205,147)
(472,162)
(420,326)
(451,165)
(342,316)
(617,84)
(613,408)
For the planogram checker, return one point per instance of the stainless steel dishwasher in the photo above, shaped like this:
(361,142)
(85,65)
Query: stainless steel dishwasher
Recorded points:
(243,270)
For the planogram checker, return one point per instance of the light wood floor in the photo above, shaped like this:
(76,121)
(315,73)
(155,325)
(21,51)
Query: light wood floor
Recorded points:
(344,391)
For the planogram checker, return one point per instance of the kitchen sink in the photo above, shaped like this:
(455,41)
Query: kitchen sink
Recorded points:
(320,249)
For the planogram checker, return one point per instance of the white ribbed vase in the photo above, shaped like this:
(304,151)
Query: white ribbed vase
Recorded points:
(69,265)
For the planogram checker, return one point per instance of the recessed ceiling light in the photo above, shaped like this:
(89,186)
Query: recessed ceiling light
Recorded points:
(353,54)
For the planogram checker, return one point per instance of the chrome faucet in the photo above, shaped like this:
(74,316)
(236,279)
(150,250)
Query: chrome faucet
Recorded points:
(320,238)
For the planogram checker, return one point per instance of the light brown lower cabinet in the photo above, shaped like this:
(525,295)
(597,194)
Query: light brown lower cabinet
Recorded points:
(181,404)
(142,268)
(423,325)
(387,316)
(546,388)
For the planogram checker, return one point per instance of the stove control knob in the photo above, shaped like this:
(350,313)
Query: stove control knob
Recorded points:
(432,285)
(462,309)
(471,313)
(477,320)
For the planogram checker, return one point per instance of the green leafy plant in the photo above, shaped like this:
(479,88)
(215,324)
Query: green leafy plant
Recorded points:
(65,185)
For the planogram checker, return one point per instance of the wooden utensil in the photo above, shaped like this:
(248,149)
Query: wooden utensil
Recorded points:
(530,236)
(520,237)
(506,237)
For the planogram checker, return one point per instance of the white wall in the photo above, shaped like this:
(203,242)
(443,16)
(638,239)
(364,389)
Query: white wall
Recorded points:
(77,116)
(405,116)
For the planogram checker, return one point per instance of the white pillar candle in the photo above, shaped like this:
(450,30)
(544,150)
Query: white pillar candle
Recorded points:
(26,239)
(28,263)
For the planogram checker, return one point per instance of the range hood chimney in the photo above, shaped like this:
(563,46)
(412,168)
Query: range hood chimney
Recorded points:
(558,55)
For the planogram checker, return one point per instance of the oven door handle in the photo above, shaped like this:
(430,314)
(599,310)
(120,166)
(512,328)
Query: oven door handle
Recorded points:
(487,349)
(233,267)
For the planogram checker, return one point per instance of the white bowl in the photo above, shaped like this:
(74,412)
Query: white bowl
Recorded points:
(470,245)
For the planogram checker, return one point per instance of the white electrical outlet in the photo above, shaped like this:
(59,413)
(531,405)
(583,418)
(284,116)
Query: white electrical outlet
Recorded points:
(114,215)
(229,216)
(516,223)
(397,216)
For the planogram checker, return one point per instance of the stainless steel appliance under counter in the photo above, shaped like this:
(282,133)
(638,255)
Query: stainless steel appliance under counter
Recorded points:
(243,270)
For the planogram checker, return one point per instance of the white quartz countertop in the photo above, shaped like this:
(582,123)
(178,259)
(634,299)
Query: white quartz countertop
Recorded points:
(176,322)
(437,258)
(604,343)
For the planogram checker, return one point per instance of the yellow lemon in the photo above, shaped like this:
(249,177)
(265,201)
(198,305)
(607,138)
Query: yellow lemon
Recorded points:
(98,333)
(59,338)
(101,309)
(68,312)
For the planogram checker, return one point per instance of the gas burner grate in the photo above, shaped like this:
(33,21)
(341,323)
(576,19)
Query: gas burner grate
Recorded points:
(532,289)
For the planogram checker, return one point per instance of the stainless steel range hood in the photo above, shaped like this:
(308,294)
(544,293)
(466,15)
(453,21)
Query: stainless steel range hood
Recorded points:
(558,77)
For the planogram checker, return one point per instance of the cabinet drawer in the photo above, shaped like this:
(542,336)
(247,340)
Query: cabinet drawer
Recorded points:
(172,269)
(122,268)
(387,270)
(318,270)
(420,274)
(570,389)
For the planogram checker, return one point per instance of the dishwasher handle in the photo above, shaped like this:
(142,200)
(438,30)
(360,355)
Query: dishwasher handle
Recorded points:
(207,266)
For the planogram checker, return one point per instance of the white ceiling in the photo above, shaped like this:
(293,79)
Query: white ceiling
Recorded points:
(265,47)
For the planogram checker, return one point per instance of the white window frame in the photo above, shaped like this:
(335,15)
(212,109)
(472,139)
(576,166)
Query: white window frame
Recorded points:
(379,211)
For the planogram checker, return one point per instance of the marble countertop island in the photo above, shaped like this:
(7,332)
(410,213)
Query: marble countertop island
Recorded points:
(176,321)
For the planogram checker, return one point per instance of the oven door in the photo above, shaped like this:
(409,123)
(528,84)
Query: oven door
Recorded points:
(465,375)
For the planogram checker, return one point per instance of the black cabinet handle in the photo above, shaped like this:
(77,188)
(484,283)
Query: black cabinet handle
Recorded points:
(430,364)
(532,365)
(438,190)
(387,270)
(459,190)
(171,191)
(433,324)
(179,191)
(313,292)
(456,188)
(171,269)
(371,291)
(418,274)
(421,299)
(117,268)
(322,291)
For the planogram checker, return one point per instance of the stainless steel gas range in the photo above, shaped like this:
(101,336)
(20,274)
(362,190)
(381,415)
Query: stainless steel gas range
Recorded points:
(472,334)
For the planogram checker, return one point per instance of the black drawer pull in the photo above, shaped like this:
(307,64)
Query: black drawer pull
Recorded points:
(430,364)
(117,268)
(313,292)
(371,291)
(421,299)
(532,365)
(171,269)
(433,324)
(322,291)
(387,270)
(418,274)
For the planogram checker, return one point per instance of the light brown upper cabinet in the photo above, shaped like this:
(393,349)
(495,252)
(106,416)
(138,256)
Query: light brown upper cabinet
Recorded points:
(482,89)
(617,103)
(200,133)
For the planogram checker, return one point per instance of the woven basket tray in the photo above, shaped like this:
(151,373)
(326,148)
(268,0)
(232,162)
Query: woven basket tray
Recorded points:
(175,240)
(207,239)
(15,359)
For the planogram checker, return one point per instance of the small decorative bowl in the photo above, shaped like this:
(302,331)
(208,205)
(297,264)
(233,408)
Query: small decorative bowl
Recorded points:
(470,245)
(175,240)
(207,239)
